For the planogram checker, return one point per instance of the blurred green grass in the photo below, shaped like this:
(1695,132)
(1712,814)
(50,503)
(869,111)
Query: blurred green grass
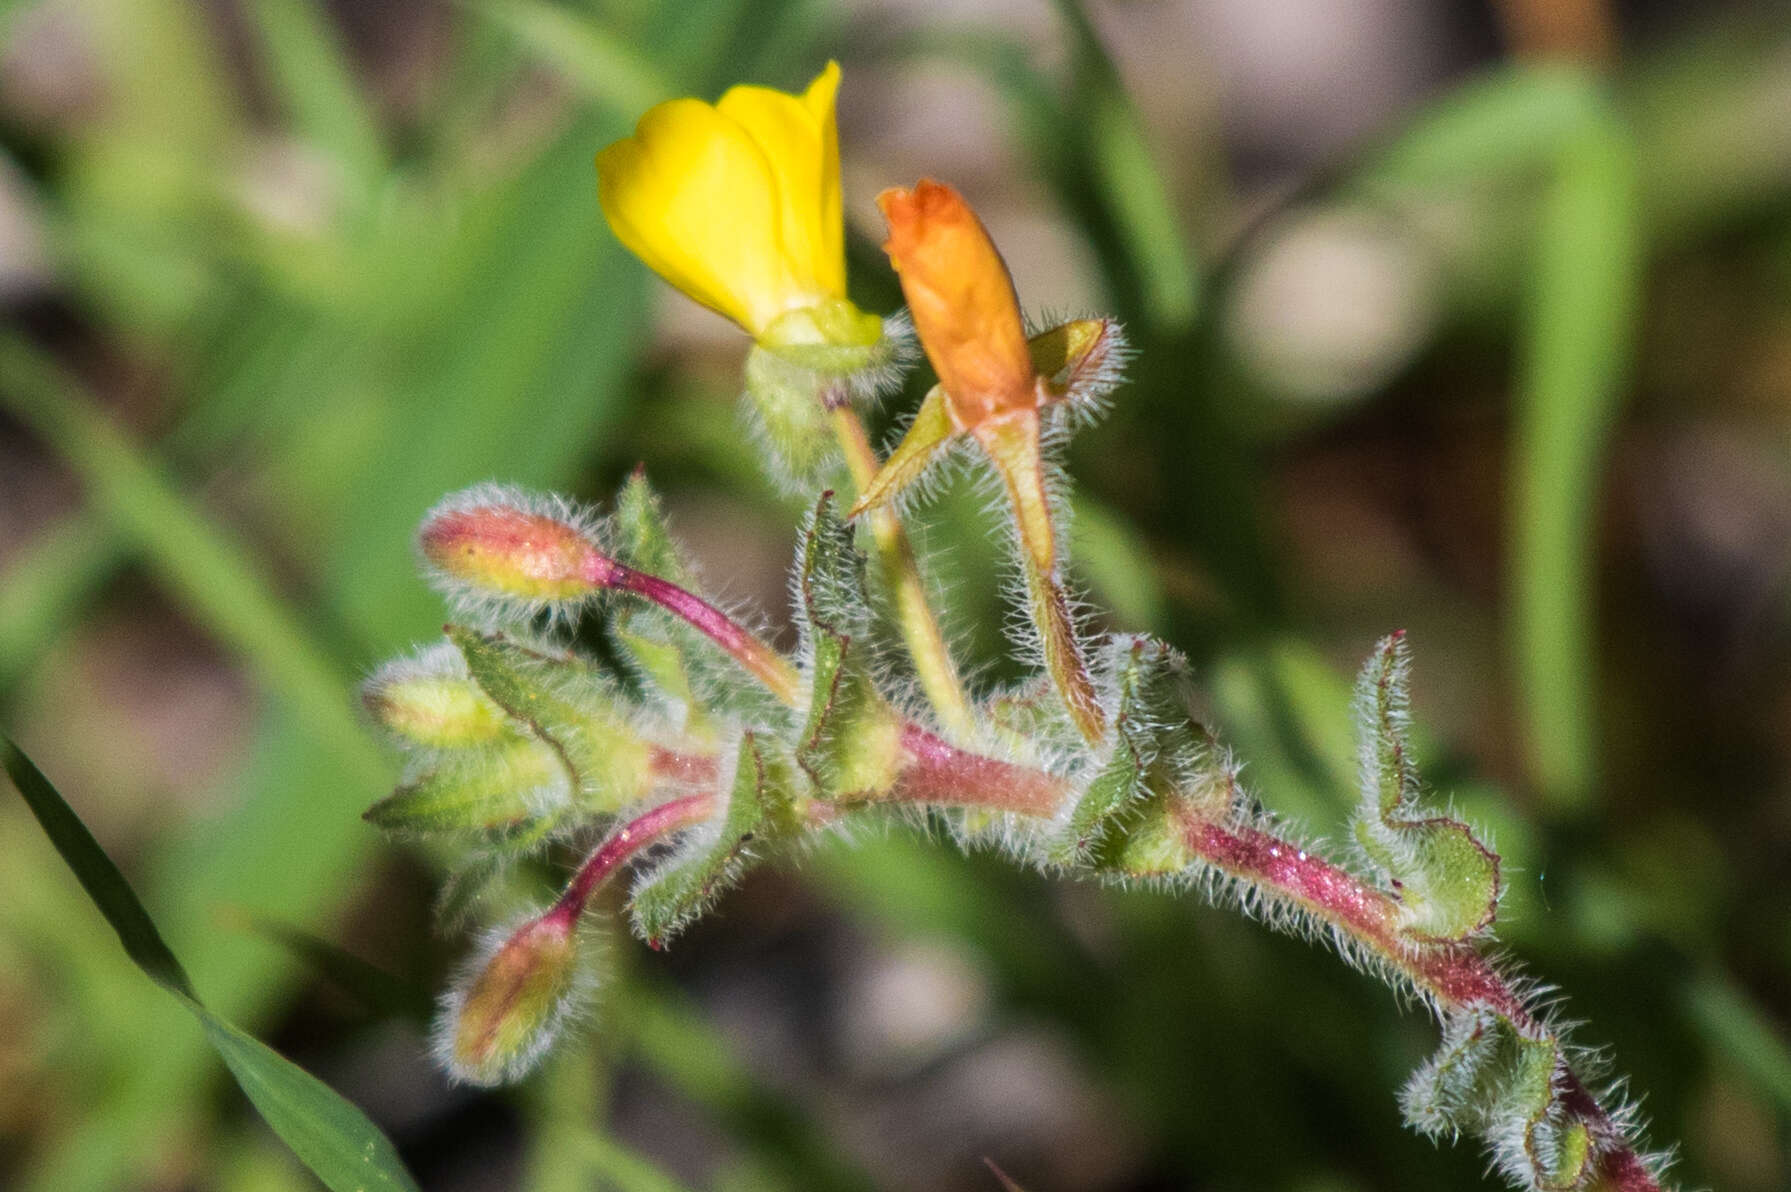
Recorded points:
(346,304)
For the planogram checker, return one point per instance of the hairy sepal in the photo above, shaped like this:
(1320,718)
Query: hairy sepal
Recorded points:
(569,707)
(712,856)
(1446,880)
(495,794)
(792,387)
(850,747)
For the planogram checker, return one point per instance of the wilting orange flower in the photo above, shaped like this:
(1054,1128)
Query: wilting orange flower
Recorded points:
(962,300)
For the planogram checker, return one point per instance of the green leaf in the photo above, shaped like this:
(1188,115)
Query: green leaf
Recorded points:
(850,744)
(568,706)
(95,871)
(333,1138)
(495,792)
(608,68)
(1512,120)
(1580,321)
(1447,882)
(1155,748)
(1131,186)
(1446,1096)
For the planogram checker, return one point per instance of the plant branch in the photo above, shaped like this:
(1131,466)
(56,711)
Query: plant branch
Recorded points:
(920,628)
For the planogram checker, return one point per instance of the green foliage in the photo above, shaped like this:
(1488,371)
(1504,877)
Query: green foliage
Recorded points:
(333,1138)
(289,396)
(848,747)
(681,887)
(571,709)
(1446,880)
(1156,748)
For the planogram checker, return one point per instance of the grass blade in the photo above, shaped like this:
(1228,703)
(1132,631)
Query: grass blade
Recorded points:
(95,871)
(1579,323)
(333,1138)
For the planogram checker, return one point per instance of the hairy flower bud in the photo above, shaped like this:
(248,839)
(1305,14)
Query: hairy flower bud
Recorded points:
(499,1020)
(430,701)
(498,544)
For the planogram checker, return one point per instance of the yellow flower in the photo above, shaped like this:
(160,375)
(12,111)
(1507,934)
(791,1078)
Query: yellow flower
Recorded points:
(738,205)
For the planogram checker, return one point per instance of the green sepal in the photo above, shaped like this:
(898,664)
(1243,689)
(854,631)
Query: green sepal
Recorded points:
(807,363)
(568,706)
(1491,1079)
(422,709)
(683,668)
(1156,747)
(850,746)
(930,433)
(714,855)
(494,793)
(786,401)
(1153,844)
(832,337)
(1446,880)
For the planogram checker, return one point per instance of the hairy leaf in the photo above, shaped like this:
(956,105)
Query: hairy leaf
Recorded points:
(1446,879)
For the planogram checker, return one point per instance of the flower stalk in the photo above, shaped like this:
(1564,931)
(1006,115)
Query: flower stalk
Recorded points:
(927,648)
(1092,768)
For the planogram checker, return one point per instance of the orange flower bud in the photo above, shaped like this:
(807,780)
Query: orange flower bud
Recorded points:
(505,1013)
(962,300)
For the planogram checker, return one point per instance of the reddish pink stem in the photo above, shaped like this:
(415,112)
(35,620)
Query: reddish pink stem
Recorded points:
(1454,972)
(939,772)
(767,665)
(621,847)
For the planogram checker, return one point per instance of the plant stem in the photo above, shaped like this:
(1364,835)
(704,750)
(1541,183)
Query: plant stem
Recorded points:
(776,672)
(1452,974)
(940,774)
(920,628)
(623,844)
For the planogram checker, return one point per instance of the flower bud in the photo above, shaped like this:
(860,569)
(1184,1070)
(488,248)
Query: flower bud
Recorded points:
(430,701)
(504,1014)
(489,792)
(496,543)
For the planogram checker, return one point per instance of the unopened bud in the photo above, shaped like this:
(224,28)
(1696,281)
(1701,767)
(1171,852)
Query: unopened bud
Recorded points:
(501,1018)
(491,791)
(505,544)
(424,702)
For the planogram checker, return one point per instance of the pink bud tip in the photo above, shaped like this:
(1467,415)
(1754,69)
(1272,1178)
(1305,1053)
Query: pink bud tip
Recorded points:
(512,552)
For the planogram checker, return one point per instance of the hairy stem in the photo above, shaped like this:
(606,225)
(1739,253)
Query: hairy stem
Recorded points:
(623,845)
(1452,975)
(920,628)
(777,673)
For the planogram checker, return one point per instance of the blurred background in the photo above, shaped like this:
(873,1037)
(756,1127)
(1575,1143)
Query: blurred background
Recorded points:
(1468,317)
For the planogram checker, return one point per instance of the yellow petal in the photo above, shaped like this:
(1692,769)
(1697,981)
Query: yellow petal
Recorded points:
(693,195)
(799,138)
